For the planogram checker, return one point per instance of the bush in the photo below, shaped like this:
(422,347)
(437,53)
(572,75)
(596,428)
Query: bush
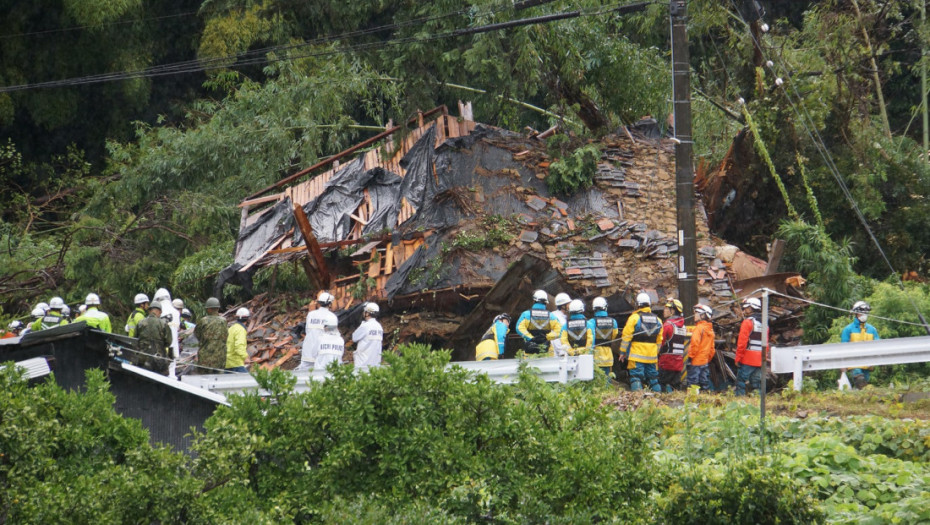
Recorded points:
(746,492)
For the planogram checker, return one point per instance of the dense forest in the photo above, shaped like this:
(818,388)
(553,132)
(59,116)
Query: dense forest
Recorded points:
(129,131)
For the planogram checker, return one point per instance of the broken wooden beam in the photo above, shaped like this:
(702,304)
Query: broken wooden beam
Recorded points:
(320,273)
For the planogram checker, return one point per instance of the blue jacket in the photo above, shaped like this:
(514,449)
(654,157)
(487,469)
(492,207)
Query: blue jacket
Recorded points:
(854,332)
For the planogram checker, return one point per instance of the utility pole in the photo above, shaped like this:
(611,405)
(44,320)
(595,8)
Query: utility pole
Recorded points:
(684,167)
(923,79)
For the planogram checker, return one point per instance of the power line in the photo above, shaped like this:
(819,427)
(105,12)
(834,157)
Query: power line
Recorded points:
(259,56)
(811,129)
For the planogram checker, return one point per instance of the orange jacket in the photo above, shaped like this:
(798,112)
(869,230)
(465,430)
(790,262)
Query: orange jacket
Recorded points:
(749,343)
(702,343)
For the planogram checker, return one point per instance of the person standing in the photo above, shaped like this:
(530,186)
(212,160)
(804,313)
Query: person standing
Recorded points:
(314,328)
(675,338)
(537,326)
(561,314)
(859,330)
(154,340)
(52,318)
(237,346)
(749,348)
(142,303)
(368,338)
(94,317)
(640,341)
(494,340)
(576,336)
(604,330)
(331,345)
(212,335)
(702,348)
(173,317)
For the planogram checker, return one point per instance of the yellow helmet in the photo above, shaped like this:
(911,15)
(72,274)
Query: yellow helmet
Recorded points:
(674,304)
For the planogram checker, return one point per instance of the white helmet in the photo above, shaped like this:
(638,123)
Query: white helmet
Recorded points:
(861,307)
(162,295)
(38,312)
(325,298)
(330,323)
(57,303)
(82,308)
(643,299)
(43,306)
(753,303)
(185,312)
(16,325)
(562,298)
(177,303)
(92,300)
(242,312)
(65,311)
(372,308)
(141,298)
(540,296)
(576,306)
(704,310)
(599,303)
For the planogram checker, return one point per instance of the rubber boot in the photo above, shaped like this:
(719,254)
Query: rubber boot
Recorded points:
(859,381)
(654,386)
(635,385)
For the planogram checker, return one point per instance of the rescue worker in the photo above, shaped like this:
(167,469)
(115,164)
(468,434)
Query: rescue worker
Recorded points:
(187,319)
(37,314)
(675,339)
(212,333)
(604,329)
(749,348)
(537,325)
(330,343)
(172,317)
(94,317)
(702,348)
(576,336)
(142,303)
(52,317)
(154,340)
(313,328)
(13,330)
(177,304)
(561,314)
(368,338)
(640,341)
(44,307)
(66,313)
(859,330)
(237,352)
(494,340)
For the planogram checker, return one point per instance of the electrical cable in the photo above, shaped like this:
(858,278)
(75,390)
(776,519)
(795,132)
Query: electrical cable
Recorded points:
(249,58)
(808,123)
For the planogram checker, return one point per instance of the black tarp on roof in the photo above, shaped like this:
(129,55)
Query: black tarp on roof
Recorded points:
(257,237)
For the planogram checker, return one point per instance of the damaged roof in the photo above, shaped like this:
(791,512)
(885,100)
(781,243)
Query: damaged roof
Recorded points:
(436,213)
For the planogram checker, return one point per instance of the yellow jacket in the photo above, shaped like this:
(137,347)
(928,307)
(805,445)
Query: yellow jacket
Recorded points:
(236,346)
(637,343)
(572,346)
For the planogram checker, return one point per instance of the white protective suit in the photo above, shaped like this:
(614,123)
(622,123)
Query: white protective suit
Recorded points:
(558,349)
(167,308)
(368,337)
(314,328)
(331,346)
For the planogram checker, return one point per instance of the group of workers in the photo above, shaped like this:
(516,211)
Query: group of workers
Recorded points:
(323,343)
(648,345)
(656,352)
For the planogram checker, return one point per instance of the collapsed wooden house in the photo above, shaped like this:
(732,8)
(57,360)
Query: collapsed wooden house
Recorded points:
(447,222)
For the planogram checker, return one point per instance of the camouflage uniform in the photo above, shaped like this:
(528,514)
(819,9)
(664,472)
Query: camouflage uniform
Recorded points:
(154,339)
(212,333)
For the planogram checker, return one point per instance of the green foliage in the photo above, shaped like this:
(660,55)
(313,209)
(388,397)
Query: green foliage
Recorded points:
(69,457)
(493,230)
(511,454)
(574,170)
(196,273)
(827,265)
(746,492)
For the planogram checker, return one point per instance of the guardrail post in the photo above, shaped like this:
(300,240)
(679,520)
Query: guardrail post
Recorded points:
(563,369)
(798,370)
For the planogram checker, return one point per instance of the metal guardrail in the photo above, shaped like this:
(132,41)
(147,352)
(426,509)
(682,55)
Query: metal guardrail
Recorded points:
(504,371)
(799,359)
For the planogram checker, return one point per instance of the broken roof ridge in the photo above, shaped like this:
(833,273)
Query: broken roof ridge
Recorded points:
(384,134)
